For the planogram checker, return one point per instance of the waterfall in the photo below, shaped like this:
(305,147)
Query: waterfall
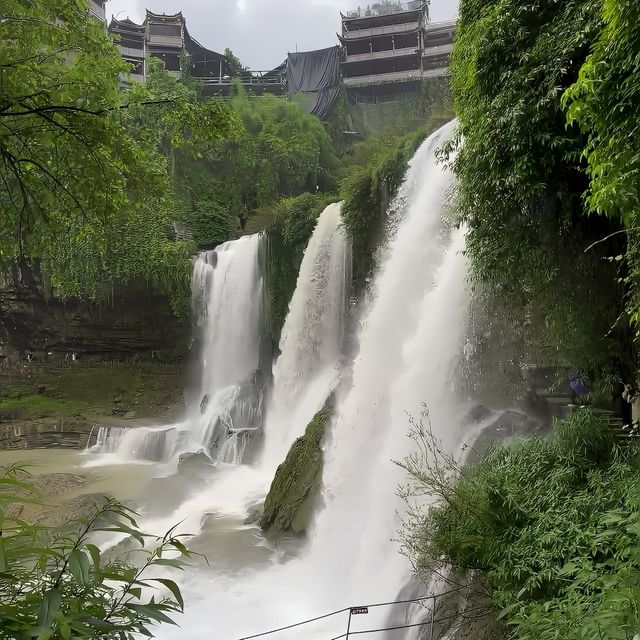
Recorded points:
(227,307)
(409,342)
(312,336)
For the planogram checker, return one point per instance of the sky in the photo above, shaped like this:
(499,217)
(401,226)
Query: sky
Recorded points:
(260,32)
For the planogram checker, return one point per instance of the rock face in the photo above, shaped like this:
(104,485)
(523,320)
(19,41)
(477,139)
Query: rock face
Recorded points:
(137,321)
(290,501)
(193,461)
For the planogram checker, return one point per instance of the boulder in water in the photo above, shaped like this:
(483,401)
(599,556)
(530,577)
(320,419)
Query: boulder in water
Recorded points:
(292,497)
(204,403)
(193,460)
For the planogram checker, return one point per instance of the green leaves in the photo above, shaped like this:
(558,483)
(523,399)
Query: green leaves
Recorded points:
(522,174)
(604,103)
(65,588)
(552,524)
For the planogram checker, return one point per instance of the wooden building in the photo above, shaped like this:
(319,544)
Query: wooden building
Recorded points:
(131,42)
(389,47)
(97,10)
(164,36)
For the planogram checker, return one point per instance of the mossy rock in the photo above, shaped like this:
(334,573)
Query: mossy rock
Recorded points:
(290,502)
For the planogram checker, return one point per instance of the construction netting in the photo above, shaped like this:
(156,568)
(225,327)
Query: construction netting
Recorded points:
(316,74)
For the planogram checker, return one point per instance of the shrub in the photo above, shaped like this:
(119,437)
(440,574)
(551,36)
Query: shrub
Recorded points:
(57,585)
(552,525)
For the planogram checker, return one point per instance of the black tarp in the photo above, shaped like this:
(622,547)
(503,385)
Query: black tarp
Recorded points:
(315,74)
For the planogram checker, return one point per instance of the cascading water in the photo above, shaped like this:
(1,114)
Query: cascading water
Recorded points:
(305,374)
(227,303)
(311,341)
(411,336)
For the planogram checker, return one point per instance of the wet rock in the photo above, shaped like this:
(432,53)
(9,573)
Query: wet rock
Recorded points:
(477,414)
(41,327)
(255,514)
(205,403)
(295,488)
(193,461)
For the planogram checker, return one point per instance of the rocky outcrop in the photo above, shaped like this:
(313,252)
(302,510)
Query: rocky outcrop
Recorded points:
(133,322)
(290,501)
(194,461)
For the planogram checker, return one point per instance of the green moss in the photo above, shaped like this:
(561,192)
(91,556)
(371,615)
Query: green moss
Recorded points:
(289,504)
(368,191)
(90,389)
(294,220)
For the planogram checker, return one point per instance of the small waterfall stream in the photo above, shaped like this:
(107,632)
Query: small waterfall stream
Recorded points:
(227,305)
(311,342)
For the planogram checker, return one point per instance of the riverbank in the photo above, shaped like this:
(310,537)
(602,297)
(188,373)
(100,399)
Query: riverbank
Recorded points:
(57,405)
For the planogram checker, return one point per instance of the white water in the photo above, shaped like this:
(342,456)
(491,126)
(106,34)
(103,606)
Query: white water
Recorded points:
(411,335)
(311,341)
(227,304)
(304,375)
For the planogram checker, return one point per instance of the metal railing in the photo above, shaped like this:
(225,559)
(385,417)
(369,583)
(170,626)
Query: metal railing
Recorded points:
(249,78)
(474,610)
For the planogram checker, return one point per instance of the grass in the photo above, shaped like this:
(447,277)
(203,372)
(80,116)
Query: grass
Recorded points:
(89,389)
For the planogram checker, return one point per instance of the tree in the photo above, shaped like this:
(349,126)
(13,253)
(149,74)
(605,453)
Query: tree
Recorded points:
(604,102)
(85,167)
(57,585)
(521,174)
(235,66)
(64,155)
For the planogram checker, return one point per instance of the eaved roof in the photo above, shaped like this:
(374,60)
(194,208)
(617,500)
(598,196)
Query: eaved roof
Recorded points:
(176,17)
(125,24)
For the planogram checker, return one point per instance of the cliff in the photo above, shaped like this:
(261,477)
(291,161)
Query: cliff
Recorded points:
(137,321)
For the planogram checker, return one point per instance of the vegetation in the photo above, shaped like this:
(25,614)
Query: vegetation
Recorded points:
(290,500)
(551,525)
(89,389)
(523,175)
(604,103)
(292,223)
(86,186)
(139,178)
(57,585)
(378,168)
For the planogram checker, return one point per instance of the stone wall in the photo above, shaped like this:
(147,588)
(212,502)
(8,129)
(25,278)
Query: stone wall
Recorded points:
(133,322)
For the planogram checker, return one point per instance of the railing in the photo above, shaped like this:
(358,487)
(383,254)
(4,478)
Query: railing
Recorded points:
(435,611)
(381,31)
(172,41)
(442,25)
(130,52)
(396,76)
(252,78)
(386,10)
(382,78)
(439,50)
(382,55)
(97,9)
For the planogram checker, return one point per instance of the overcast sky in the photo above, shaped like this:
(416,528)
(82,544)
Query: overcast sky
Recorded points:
(260,32)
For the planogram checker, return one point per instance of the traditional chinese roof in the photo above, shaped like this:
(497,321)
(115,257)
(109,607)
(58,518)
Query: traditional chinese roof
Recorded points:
(126,25)
(161,17)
